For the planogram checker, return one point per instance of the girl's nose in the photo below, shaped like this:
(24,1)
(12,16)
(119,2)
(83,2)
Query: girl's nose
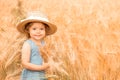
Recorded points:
(38,31)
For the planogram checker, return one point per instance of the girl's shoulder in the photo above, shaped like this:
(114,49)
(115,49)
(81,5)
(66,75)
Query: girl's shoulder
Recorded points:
(28,41)
(25,45)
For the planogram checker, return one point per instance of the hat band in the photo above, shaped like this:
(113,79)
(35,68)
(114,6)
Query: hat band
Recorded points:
(38,18)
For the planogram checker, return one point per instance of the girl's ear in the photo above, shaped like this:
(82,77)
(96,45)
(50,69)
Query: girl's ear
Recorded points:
(27,31)
(28,35)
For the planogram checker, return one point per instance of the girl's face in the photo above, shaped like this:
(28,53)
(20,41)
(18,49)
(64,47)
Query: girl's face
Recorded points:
(37,31)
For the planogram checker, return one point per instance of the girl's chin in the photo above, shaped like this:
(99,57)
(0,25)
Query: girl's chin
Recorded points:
(38,38)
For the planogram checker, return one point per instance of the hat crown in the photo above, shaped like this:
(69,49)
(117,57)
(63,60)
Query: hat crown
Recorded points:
(37,15)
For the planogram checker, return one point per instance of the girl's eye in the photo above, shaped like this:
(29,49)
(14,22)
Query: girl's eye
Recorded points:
(41,28)
(34,28)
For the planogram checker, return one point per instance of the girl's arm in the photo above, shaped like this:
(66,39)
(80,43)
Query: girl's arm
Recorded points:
(26,59)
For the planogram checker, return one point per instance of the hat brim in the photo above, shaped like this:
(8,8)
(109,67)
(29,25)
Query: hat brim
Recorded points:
(21,26)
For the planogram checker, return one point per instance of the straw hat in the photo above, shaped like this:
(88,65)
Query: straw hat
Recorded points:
(36,16)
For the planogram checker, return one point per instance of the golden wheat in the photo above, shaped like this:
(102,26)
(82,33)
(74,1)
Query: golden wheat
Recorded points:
(85,47)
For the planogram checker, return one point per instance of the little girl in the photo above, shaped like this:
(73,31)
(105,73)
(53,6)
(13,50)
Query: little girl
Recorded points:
(36,27)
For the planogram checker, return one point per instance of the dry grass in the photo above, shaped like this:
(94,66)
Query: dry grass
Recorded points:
(85,47)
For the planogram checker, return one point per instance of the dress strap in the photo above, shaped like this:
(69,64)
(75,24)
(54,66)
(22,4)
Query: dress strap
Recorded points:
(43,43)
(32,43)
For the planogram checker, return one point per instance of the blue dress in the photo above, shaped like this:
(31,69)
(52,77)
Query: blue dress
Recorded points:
(35,58)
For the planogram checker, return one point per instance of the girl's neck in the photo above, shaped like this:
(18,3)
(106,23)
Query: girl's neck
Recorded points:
(37,42)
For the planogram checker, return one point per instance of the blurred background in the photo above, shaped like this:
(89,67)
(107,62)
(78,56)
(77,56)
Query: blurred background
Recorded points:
(87,42)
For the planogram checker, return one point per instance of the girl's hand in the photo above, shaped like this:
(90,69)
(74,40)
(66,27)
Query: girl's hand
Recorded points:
(46,65)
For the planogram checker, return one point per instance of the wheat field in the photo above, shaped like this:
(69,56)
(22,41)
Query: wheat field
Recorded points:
(85,47)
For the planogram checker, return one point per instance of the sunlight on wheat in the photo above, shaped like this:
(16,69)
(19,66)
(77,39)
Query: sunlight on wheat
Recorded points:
(85,47)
